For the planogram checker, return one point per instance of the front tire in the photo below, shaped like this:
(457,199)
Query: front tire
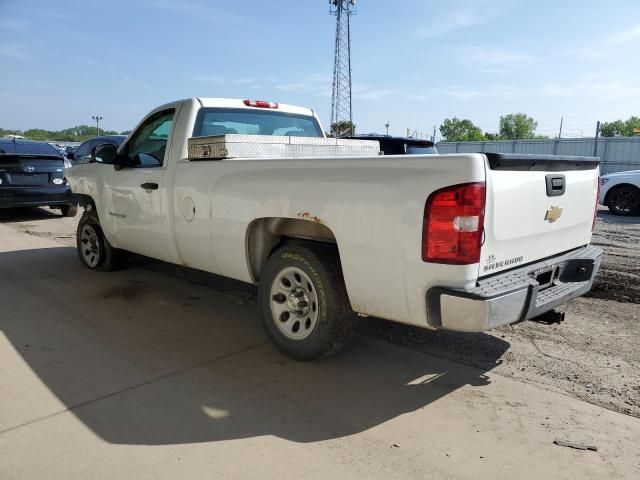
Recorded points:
(303,301)
(624,200)
(69,210)
(94,250)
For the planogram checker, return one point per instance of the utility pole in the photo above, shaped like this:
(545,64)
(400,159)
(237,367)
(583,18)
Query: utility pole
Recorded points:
(560,132)
(341,113)
(433,138)
(595,143)
(387,125)
(97,118)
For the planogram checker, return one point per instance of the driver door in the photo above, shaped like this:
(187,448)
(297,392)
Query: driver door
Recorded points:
(136,196)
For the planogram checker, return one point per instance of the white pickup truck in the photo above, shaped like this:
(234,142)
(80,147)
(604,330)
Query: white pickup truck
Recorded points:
(464,242)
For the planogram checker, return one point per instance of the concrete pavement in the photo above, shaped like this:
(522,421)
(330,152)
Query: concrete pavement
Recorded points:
(136,374)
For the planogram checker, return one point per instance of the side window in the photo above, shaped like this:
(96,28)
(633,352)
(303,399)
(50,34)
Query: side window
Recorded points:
(149,142)
(81,155)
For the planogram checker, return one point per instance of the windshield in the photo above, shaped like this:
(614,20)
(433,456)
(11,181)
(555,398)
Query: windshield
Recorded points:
(222,121)
(10,147)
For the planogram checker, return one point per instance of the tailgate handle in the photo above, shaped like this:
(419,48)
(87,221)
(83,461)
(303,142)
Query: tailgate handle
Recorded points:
(555,185)
(149,186)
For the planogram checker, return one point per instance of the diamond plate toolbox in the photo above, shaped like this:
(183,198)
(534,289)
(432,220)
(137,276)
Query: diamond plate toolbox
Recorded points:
(219,147)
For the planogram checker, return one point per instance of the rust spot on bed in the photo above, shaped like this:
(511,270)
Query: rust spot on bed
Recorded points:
(308,216)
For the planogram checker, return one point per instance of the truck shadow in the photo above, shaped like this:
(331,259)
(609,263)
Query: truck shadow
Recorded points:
(145,358)
(27,214)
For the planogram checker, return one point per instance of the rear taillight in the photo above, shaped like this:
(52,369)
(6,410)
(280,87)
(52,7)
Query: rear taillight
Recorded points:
(595,211)
(453,224)
(260,104)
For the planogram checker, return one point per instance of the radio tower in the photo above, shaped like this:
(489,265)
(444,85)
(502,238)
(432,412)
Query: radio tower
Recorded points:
(341,115)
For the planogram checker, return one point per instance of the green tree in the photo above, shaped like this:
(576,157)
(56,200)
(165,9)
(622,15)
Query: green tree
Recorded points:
(620,128)
(517,126)
(37,134)
(457,130)
(79,133)
(492,136)
(345,127)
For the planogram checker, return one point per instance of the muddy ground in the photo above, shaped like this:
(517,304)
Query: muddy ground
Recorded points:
(619,277)
(594,355)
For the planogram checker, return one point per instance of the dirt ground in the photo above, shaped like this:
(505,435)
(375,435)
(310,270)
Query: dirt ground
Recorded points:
(619,277)
(594,355)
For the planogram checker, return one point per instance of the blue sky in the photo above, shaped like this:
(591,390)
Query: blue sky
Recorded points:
(415,62)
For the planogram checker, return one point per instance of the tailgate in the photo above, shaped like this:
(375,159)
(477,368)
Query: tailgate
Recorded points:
(537,206)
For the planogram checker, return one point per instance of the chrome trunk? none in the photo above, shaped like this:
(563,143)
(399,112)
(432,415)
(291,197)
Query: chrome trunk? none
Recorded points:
(218,147)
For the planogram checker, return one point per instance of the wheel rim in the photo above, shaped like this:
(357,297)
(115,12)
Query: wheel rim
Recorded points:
(90,248)
(624,201)
(294,303)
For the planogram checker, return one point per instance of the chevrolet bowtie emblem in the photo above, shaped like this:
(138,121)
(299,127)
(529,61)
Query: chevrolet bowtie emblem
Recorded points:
(553,214)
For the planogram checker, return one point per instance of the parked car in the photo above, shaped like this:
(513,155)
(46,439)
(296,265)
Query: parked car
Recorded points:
(464,242)
(32,174)
(620,192)
(391,145)
(84,152)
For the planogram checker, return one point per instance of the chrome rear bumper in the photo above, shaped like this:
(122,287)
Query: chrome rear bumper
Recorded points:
(519,294)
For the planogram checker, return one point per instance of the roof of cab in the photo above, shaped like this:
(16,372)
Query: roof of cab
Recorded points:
(239,103)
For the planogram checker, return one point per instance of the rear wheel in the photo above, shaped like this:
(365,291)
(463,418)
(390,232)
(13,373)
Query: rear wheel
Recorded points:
(69,210)
(624,200)
(303,301)
(94,249)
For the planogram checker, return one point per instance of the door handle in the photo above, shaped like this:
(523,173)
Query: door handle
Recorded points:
(149,186)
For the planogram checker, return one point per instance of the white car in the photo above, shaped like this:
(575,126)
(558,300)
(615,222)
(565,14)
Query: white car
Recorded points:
(620,192)
(330,228)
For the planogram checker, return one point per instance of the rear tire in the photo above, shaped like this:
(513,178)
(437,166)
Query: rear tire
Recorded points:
(94,250)
(69,210)
(624,200)
(303,301)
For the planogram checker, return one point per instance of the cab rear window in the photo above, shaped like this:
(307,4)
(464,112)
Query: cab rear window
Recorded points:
(224,121)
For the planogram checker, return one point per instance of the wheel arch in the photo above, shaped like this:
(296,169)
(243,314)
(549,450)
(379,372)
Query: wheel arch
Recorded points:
(264,235)
(616,186)
(85,201)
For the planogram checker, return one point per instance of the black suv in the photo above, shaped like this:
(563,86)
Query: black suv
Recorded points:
(84,153)
(32,175)
(391,145)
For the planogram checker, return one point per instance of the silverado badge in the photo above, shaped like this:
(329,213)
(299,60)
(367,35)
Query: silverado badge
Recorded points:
(553,214)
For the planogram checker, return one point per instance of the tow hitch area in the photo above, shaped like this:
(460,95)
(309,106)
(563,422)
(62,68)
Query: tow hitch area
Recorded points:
(545,277)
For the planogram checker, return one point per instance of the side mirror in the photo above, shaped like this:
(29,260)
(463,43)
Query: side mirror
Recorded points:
(70,156)
(106,153)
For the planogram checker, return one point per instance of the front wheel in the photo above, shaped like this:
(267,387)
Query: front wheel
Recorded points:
(94,249)
(624,200)
(303,301)
(69,210)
